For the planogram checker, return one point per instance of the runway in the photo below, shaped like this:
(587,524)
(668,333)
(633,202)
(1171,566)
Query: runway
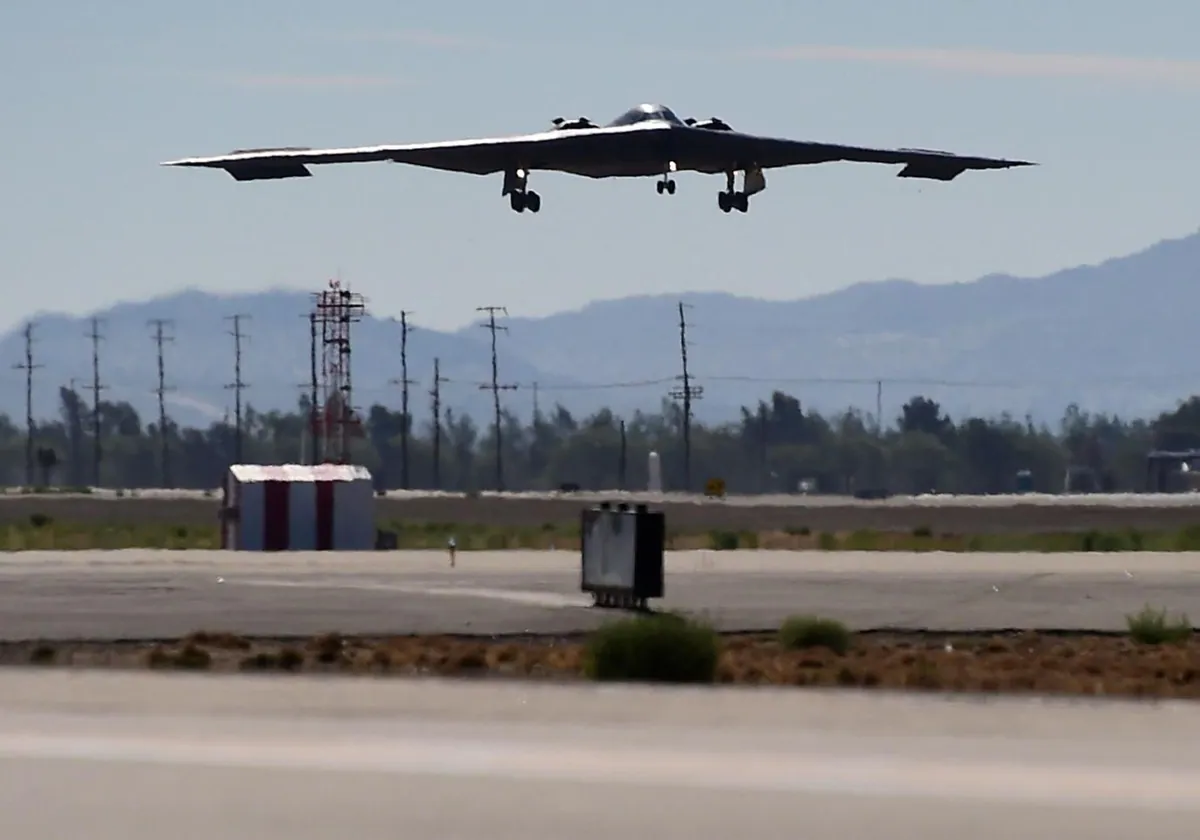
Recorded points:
(111,756)
(686,513)
(157,594)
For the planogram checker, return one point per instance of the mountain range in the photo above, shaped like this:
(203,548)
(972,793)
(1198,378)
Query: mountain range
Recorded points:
(1114,337)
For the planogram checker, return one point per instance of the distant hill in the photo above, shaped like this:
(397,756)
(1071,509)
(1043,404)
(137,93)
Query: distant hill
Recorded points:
(1118,336)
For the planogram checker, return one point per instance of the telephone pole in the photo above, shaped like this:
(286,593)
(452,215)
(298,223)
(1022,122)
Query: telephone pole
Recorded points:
(236,386)
(621,462)
(73,428)
(496,387)
(686,393)
(97,449)
(879,407)
(404,382)
(161,390)
(436,394)
(28,366)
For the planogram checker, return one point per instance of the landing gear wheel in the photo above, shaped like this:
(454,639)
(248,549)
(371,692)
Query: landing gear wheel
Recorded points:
(725,201)
(533,201)
(516,200)
(670,188)
(741,201)
(661,187)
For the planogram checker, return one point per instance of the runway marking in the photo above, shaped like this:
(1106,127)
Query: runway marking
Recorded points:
(688,767)
(550,600)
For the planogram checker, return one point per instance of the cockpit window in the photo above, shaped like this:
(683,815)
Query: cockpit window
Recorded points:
(642,113)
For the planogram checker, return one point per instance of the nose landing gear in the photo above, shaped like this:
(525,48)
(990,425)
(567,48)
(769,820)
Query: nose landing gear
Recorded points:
(666,183)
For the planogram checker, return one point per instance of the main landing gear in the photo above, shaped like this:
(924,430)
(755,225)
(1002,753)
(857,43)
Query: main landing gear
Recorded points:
(519,197)
(753,181)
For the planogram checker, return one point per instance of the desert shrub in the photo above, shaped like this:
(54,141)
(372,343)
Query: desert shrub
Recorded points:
(661,648)
(1152,627)
(806,631)
(827,541)
(723,540)
(291,659)
(192,658)
(43,654)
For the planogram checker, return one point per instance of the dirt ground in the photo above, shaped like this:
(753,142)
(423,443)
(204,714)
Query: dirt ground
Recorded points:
(1023,663)
(682,517)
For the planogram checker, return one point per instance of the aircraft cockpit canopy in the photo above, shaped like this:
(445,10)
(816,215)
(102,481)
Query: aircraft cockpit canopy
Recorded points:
(644,113)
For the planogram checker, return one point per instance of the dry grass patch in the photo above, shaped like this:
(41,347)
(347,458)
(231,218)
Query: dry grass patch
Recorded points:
(1026,662)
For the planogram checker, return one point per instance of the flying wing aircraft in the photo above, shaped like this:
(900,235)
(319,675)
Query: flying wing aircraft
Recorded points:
(649,140)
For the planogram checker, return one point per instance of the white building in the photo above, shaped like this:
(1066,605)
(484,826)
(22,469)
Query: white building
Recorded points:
(292,507)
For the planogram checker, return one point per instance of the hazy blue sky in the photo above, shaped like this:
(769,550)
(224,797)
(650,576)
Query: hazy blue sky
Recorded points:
(97,94)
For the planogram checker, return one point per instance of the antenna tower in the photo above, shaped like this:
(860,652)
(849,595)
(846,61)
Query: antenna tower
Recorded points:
(336,309)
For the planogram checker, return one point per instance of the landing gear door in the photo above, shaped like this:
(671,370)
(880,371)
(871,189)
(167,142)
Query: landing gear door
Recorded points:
(754,181)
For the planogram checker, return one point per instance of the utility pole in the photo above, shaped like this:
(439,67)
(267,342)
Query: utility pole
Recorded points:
(161,390)
(404,382)
(622,462)
(879,407)
(496,387)
(236,386)
(436,394)
(97,449)
(686,393)
(535,400)
(73,435)
(763,443)
(28,366)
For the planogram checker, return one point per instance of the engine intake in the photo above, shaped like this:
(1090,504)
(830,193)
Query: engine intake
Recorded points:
(579,122)
(712,124)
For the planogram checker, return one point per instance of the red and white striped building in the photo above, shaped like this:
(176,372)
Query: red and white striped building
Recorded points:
(324,507)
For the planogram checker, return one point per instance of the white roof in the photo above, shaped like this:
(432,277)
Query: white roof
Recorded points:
(252,473)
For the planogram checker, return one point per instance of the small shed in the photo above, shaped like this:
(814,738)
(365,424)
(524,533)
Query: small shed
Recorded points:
(293,507)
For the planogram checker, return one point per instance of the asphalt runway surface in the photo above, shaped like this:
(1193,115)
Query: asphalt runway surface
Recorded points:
(163,594)
(125,756)
(685,513)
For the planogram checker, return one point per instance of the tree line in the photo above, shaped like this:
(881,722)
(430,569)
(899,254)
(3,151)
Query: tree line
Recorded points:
(776,446)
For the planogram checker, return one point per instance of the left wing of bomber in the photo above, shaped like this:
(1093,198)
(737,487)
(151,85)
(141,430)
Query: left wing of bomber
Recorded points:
(479,157)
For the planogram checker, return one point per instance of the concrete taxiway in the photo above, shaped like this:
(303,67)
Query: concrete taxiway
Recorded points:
(153,594)
(131,756)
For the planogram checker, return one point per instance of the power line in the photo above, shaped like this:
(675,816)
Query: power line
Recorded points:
(237,386)
(496,387)
(436,394)
(687,392)
(404,382)
(28,366)
(161,390)
(97,446)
